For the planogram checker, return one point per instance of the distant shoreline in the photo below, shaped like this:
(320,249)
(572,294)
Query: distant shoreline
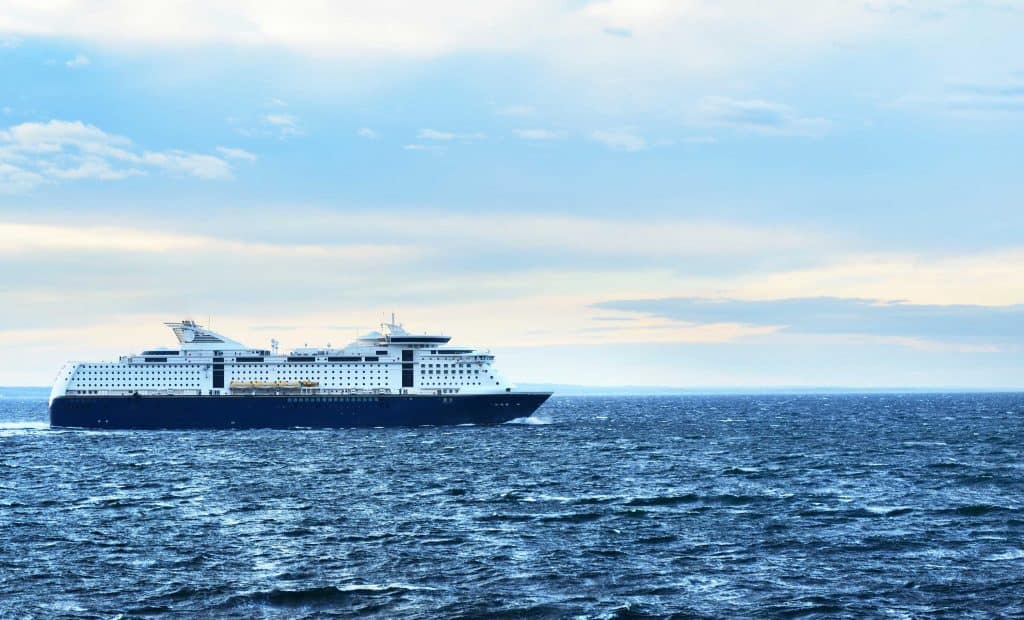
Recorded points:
(627,390)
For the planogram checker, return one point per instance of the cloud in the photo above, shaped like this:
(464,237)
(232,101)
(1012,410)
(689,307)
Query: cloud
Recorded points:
(618,238)
(35,153)
(277,124)
(431,134)
(14,179)
(27,239)
(234,153)
(666,36)
(537,279)
(166,265)
(974,98)
(197,165)
(619,140)
(670,43)
(539,134)
(757,116)
(79,60)
(989,278)
(624,33)
(285,125)
(447,136)
(423,147)
(974,325)
(366,132)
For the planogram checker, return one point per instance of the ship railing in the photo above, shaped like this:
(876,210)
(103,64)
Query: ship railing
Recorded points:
(272,390)
(343,391)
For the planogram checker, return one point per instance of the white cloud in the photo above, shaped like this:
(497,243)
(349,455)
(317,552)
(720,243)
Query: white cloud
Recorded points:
(80,60)
(366,132)
(89,167)
(445,136)
(619,140)
(989,278)
(670,43)
(423,147)
(285,125)
(355,29)
(519,233)
(18,239)
(14,179)
(538,134)
(197,165)
(432,134)
(974,98)
(276,124)
(757,116)
(141,270)
(35,153)
(280,120)
(157,264)
(234,153)
(345,28)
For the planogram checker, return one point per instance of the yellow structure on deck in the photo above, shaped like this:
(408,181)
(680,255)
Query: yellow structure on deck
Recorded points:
(272,384)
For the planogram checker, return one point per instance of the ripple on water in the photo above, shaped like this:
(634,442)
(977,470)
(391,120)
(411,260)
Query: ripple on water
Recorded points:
(751,506)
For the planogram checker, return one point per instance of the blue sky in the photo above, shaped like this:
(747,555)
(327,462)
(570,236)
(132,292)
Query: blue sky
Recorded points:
(646,192)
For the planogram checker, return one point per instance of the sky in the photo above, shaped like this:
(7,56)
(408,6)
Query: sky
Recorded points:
(692,193)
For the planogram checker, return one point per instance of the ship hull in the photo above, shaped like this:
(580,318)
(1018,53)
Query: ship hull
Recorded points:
(328,411)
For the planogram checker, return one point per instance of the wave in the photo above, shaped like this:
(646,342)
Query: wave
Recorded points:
(25,425)
(664,500)
(17,428)
(533,420)
(572,517)
(725,499)
(1012,554)
(319,596)
(975,510)
(867,512)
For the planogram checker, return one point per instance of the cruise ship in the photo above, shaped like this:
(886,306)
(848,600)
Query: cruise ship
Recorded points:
(385,378)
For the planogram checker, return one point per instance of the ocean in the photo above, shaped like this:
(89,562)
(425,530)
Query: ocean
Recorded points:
(833,505)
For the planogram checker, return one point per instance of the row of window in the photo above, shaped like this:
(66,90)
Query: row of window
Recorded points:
(180,377)
(95,369)
(445,372)
(334,399)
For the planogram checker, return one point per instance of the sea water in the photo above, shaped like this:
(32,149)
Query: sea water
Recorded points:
(719,506)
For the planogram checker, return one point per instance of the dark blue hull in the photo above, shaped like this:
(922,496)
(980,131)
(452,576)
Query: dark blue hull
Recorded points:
(212,412)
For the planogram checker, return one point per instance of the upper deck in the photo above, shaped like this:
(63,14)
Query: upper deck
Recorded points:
(207,363)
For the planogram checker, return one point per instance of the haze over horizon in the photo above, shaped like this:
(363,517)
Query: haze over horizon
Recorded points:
(606,193)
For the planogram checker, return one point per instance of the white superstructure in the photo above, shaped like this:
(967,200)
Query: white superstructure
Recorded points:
(390,361)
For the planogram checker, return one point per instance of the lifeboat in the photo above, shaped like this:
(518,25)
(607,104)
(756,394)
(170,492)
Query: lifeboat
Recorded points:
(272,384)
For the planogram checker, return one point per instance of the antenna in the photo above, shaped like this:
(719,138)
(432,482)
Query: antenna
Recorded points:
(273,345)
